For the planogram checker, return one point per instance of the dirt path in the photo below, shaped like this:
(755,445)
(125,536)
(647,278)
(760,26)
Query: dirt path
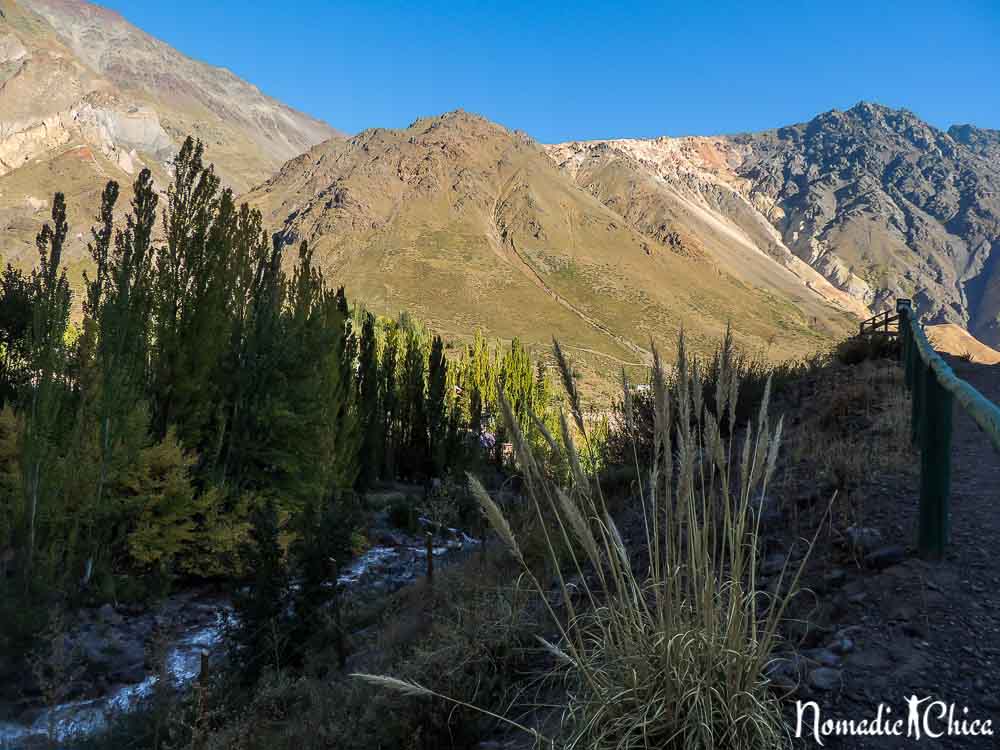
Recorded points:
(502,239)
(929,629)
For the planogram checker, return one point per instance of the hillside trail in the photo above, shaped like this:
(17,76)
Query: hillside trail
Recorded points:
(929,628)
(504,247)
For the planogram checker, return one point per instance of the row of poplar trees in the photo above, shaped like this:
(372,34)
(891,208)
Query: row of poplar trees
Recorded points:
(209,376)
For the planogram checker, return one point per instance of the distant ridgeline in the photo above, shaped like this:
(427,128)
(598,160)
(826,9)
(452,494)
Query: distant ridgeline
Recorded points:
(205,381)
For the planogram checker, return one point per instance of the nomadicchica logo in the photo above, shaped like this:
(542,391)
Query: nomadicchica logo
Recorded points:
(921,719)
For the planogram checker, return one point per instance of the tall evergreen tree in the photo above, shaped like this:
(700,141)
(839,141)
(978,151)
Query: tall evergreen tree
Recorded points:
(371,421)
(47,402)
(437,406)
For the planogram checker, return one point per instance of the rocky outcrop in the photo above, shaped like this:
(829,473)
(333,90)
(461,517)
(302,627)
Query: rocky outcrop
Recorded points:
(982,141)
(86,97)
(119,132)
(256,133)
(900,205)
(11,49)
(689,189)
(874,201)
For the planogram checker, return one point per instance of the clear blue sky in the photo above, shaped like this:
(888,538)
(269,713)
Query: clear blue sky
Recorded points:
(586,69)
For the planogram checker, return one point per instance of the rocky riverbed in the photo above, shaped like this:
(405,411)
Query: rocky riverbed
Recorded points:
(117,646)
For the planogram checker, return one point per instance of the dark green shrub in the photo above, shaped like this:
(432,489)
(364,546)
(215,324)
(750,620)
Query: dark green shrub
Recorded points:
(856,350)
(403,514)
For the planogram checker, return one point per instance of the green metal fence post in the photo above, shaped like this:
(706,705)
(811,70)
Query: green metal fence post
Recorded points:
(920,369)
(935,466)
(906,339)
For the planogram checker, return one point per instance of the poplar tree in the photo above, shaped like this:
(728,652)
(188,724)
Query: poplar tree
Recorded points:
(437,415)
(371,422)
(47,402)
(389,399)
(15,321)
(414,412)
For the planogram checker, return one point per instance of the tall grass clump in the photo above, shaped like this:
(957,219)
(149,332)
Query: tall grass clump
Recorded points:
(667,648)
(754,372)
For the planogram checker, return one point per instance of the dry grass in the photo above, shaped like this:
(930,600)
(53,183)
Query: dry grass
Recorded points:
(859,428)
(853,430)
(668,650)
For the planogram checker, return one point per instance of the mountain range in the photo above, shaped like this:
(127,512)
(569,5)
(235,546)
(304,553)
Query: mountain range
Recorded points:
(792,234)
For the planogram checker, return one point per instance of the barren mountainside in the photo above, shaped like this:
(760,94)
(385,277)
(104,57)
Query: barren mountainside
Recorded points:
(468,224)
(85,96)
(875,200)
(791,233)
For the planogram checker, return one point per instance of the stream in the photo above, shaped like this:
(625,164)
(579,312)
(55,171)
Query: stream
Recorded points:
(198,625)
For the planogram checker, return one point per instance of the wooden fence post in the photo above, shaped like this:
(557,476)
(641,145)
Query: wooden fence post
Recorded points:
(903,309)
(430,558)
(935,466)
(338,626)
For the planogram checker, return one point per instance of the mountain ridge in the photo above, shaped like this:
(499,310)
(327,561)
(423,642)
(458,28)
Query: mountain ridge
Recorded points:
(471,225)
(920,204)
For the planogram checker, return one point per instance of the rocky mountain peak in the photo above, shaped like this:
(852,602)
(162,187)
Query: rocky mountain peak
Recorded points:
(981,141)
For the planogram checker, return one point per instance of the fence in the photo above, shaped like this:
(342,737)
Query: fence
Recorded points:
(885,323)
(935,388)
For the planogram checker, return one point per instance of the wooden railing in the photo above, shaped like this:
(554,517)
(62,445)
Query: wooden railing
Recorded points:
(885,323)
(935,389)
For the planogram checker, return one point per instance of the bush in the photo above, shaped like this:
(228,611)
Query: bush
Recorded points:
(733,376)
(669,653)
(856,350)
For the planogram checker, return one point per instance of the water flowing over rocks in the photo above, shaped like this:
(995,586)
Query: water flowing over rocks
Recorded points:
(114,643)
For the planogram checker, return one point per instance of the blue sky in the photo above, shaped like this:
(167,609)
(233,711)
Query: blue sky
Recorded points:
(584,69)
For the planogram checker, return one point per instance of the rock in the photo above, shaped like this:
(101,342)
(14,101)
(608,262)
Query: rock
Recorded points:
(825,679)
(11,49)
(885,557)
(903,612)
(773,564)
(914,629)
(129,675)
(808,634)
(841,646)
(390,539)
(834,579)
(107,615)
(823,657)
(864,539)
(790,667)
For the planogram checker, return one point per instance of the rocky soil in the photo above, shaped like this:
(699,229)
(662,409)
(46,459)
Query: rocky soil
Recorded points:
(879,624)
